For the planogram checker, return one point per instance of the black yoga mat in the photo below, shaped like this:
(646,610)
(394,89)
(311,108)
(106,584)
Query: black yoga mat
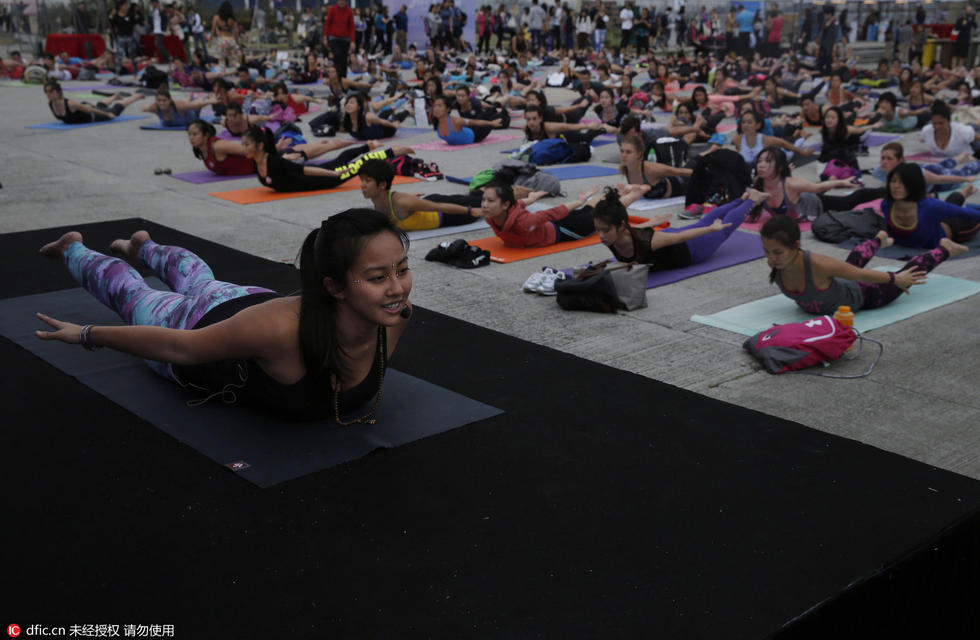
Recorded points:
(258,446)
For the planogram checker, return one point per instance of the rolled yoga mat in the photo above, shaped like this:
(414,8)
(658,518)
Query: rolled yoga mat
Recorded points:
(258,446)
(758,315)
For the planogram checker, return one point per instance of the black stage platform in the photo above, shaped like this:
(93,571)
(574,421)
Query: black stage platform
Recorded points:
(599,504)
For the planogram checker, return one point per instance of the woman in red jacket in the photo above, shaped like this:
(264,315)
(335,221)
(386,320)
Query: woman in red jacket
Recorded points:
(518,227)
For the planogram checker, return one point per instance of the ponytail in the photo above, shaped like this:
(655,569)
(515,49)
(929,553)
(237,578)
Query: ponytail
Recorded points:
(261,137)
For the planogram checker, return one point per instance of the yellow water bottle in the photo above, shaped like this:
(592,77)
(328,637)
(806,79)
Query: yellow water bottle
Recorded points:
(845,316)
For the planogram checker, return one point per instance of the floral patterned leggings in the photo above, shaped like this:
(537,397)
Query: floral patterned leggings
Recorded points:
(121,288)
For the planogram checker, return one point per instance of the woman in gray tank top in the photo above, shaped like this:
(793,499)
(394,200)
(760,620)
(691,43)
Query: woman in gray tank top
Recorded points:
(819,284)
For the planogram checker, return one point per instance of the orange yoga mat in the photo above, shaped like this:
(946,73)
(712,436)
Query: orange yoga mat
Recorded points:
(255,195)
(499,252)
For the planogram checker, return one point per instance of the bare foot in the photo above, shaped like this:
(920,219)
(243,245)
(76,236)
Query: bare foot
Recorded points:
(968,190)
(57,248)
(130,248)
(884,240)
(402,151)
(374,144)
(954,248)
(756,196)
(521,192)
(966,156)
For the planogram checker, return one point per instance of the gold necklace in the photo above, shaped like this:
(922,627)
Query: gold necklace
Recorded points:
(367,418)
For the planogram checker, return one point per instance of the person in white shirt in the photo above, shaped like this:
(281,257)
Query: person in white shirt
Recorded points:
(949,139)
(196,26)
(159,28)
(626,25)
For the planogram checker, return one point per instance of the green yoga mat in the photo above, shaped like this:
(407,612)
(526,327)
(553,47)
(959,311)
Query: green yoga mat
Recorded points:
(758,315)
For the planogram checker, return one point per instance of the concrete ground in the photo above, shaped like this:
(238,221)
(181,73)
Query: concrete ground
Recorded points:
(921,401)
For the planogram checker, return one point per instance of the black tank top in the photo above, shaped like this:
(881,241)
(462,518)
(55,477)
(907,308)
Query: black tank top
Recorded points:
(72,117)
(244,381)
(673,256)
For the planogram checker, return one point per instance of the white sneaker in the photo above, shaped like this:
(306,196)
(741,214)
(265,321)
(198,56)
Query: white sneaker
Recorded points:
(531,284)
(546,286)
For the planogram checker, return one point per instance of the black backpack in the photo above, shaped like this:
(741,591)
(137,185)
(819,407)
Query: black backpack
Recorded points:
(717,178)
(153,77)
(838,226)
(670,151)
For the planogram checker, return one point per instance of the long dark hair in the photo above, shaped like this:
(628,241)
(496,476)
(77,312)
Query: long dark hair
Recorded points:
(346,123)
(225,12)
(329,252)
(778,157)
(783,229)
(207,129)
(839,134)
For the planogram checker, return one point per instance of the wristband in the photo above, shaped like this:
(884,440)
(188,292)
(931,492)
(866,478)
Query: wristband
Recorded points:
(891,277)
(85,338)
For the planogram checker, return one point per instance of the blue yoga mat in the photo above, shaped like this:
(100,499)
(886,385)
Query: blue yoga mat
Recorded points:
(61,126)
(576,171)
(752,317)
(162,127)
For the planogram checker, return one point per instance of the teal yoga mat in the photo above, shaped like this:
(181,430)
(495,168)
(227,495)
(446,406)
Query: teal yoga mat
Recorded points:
(758,315)
(61,126)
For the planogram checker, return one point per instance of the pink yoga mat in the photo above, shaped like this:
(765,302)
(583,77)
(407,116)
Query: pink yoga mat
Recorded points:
(442,146)
(923,156)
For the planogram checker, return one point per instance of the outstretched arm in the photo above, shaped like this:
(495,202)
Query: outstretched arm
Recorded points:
(408,203)
(661,240)
(79,106)
(256,332)
(779,142)
(833,268)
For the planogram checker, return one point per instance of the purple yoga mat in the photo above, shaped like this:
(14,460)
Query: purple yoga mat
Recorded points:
(204,176)
(738,248)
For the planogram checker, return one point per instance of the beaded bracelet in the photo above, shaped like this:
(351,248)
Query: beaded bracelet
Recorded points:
(85,338)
